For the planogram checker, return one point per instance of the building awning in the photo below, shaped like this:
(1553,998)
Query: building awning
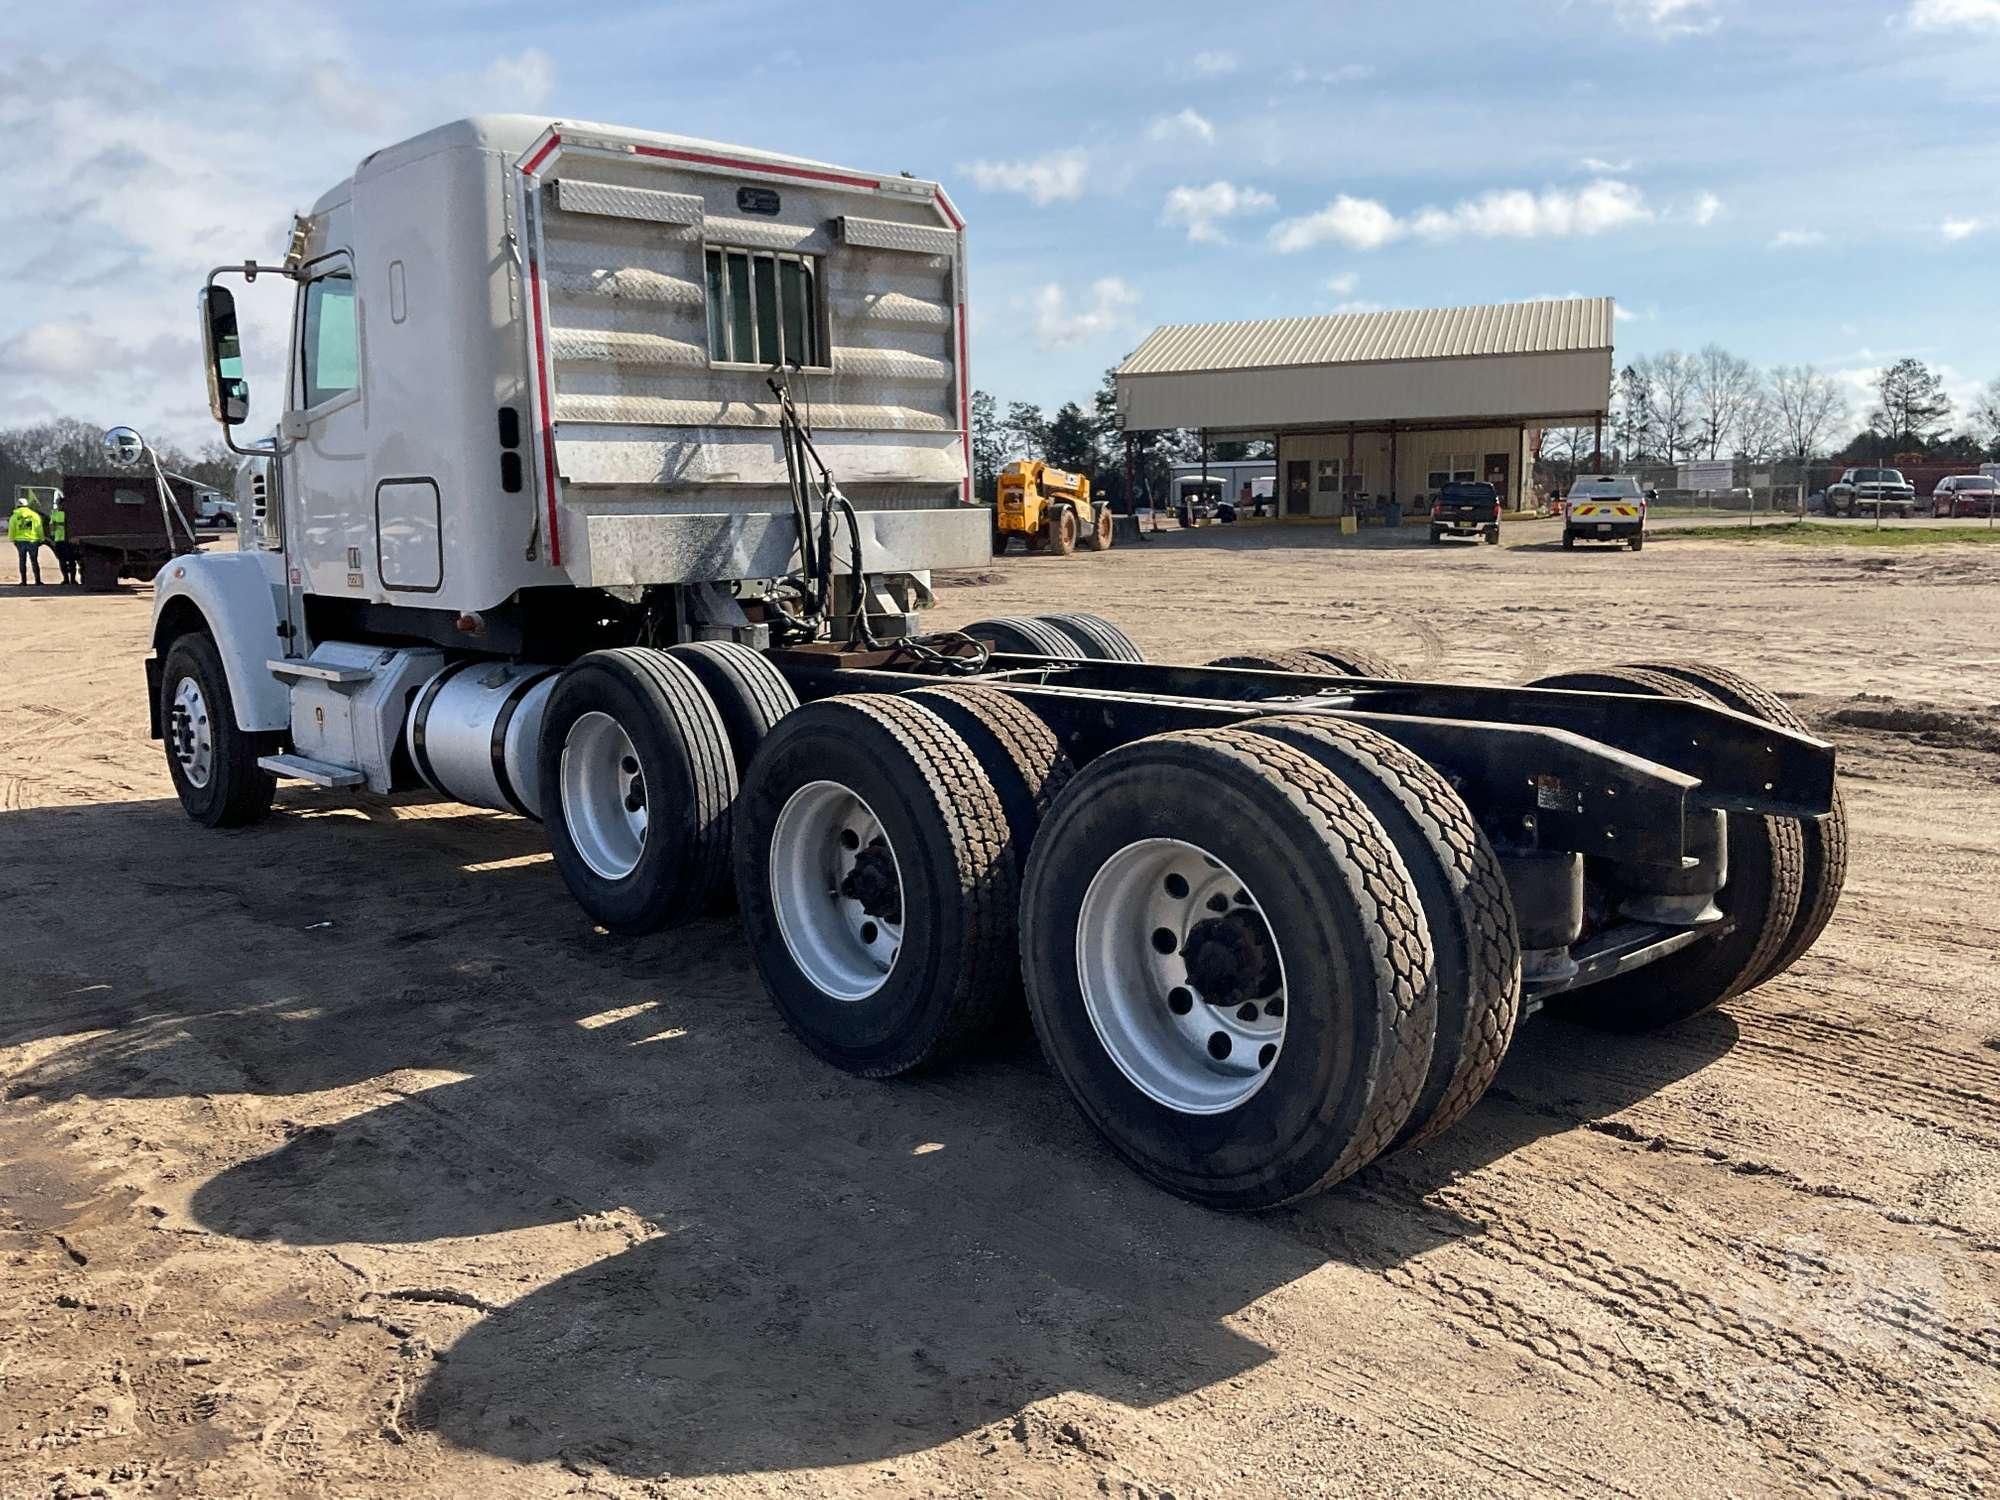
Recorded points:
(1528,362)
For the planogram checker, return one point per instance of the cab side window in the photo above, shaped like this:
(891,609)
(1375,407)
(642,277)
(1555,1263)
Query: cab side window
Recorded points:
(329,365)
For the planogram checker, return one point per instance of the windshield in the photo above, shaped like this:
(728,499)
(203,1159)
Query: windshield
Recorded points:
(1878,476)
(1625,488)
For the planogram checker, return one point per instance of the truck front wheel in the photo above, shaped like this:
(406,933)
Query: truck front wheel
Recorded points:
(213,763)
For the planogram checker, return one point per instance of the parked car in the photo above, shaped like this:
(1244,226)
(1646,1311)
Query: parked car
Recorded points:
(1965,495)
(1465,508)
(1606,508)
(1863,492)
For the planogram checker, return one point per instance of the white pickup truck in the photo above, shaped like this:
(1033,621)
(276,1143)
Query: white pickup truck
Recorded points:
(1865,492)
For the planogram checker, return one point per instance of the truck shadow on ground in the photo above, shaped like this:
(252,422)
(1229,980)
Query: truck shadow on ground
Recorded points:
(814,1268)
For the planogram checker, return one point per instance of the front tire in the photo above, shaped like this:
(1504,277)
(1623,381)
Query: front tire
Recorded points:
(1098,537)
(1227,964)
(212,762)
(1569,541)
(1061,527)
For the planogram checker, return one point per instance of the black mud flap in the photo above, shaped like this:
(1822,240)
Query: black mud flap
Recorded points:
(153,696)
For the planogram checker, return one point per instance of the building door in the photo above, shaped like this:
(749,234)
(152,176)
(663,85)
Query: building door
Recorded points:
(1298,487)
(1496,474)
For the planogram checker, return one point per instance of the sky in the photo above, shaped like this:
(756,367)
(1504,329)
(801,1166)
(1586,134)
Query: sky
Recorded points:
(1802,181)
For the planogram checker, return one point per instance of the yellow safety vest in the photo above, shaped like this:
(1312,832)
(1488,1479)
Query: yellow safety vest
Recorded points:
(58,525)
(25,525)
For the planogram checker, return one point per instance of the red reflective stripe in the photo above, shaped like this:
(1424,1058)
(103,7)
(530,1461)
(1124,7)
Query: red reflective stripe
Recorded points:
(949,212)
(528,169)
(548,422)
(965,402)
(536,160)
(768,168)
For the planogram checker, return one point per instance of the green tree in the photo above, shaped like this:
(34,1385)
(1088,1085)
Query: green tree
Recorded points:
(1910,406)
(1071,439)
(1025,430)
(989,449)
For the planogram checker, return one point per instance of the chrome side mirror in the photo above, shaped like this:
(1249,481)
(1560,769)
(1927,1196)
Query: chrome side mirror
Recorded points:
(124,448)
(222,348)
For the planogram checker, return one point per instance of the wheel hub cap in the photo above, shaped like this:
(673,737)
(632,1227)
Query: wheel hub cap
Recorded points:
(1181,977)
(604,795)
(837,890)
(190,736)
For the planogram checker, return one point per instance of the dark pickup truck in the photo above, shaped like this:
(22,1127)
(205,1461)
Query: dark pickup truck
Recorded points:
(1466,509)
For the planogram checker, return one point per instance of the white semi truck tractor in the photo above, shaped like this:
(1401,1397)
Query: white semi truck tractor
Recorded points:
(610,472)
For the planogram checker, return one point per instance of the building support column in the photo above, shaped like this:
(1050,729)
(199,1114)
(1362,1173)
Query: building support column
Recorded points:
(1347,484)
(1597,445)
(1392,463)
(1131,495)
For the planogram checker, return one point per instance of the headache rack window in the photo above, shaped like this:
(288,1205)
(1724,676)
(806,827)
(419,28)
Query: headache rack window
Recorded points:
(763,309)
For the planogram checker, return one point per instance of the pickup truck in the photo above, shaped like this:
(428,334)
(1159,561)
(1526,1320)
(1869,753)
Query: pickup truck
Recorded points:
(1466,509)
(1864,492)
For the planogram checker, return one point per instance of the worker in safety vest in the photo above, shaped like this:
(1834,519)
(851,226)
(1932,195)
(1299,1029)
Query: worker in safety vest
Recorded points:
(59,539)
(24,530)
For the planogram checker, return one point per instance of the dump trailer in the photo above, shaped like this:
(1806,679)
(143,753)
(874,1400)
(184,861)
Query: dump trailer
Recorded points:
(125,526)
(604,491)
(1050,509)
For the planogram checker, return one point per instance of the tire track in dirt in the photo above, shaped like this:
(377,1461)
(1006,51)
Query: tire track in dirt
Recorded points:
(1703,1333)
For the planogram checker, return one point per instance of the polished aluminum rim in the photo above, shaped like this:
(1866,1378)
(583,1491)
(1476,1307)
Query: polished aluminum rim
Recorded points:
(1181,977)
(190,736)
(604,795)
(837,890)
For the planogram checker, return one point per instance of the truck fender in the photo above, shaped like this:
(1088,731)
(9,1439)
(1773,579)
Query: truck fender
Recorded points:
(239,599)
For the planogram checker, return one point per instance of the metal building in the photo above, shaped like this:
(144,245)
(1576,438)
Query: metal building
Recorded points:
(1378,409)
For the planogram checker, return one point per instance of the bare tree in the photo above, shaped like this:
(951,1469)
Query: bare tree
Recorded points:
(1808,407)
(1986,416)
(1760,428)
(1672,377)
(1724,387)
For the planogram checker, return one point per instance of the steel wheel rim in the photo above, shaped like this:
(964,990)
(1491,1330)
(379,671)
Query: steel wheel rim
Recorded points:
(190,736)
(604,795)
(1136,942)
(837,890)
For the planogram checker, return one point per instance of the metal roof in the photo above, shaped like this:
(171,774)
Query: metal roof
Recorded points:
(1558,327)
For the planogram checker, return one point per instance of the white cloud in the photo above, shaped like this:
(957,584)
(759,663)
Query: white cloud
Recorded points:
(1214,64)
(1345,73)
(1796,239)
(1201,210)
(1953,15)
(1515,213)
(522,82)
(1667,18)
(137,181)
(1056,177)
(1958,229)
(1185,126)
(1108,310)
(1343,285)
(1359,223)
(1606,168)
(1508,213)
(1707,209)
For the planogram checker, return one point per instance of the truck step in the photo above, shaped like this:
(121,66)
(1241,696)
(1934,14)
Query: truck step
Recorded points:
(302,768)
(319,671)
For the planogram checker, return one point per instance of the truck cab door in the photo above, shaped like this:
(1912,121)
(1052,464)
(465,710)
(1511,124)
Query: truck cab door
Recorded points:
(325,438)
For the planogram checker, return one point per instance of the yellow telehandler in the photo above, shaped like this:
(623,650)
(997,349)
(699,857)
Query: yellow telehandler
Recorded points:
(1049,508)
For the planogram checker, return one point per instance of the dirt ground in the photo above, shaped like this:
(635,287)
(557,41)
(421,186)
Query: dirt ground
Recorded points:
(339,1156)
